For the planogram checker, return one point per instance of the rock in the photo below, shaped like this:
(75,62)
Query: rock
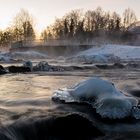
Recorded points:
(118,65)
(28,64)
(114,66)
(133,65)
(103,66)
(2,70)
(65,127)
(42,66)
(18,69)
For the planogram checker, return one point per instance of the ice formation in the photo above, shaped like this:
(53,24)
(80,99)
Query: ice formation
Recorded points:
(103,96)
(28,64)
(42,66)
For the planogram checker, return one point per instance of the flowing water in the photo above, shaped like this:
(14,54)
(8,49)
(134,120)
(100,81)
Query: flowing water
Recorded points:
(26,108)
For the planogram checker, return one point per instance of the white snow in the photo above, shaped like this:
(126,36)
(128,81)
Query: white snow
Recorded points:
(102,95)
(108,53)
(5,57)
(28,55)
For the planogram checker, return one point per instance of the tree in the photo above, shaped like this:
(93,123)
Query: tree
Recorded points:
(5,37)
(79,34)
(92,24)
(47,34)
(114,22)
(129,17)
(23,26)
(66,29)
(95,21)
(44,36)
(73,18)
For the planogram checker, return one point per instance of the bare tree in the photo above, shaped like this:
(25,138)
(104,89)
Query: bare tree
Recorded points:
(6,37)
(129,17)
(23,26)
(92,24)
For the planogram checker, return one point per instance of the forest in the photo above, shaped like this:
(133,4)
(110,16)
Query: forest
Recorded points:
(77,25)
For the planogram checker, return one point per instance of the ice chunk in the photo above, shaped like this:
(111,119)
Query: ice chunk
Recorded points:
(108,101)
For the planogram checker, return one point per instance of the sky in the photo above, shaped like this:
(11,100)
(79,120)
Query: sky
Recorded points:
(45,11)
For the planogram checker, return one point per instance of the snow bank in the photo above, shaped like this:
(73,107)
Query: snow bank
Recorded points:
(5,57)
(95,58)
(107,53)
(102,95)
(28,55)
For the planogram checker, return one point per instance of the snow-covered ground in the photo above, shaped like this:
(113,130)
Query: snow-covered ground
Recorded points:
(107,53)
(28,55)
(5,57)
(99,54)
(122,51)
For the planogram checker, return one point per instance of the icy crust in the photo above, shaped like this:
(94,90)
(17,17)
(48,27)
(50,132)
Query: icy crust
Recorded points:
(103,96)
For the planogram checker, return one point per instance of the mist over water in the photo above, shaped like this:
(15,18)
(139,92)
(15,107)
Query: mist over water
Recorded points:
(27,111)
(38,71)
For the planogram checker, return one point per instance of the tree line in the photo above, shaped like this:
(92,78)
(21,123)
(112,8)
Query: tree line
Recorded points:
(75,25)
(85,26)
(21,29)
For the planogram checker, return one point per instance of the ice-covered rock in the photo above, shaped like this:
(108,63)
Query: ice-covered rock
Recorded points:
(136,112)
(108,101)
(28,64)
(42,66)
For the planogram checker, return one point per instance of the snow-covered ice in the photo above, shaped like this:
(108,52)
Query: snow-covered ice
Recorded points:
(108,101)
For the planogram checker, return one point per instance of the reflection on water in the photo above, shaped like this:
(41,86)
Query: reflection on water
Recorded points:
(32,86)
(29,93)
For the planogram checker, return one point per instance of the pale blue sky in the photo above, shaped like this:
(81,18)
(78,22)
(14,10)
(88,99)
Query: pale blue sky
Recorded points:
(45,11)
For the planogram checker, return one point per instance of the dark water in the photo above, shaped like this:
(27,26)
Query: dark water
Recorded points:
(28,113)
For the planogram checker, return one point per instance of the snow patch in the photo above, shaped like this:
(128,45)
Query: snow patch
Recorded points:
(5,57)
(28,55)
(107,53)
